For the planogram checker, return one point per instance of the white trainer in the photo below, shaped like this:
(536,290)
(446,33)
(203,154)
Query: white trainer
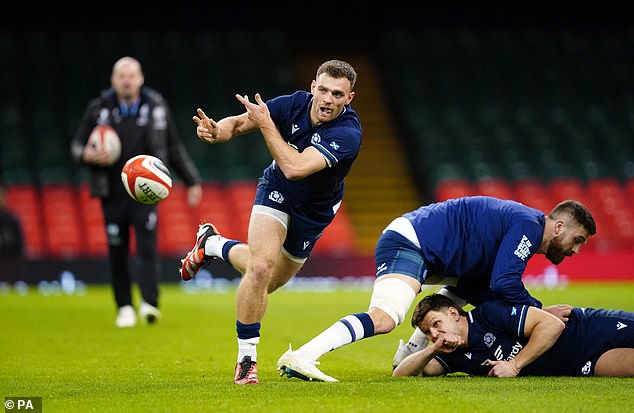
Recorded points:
(149,313)
(295,365)
(401,352)
(126,317)
(404,350)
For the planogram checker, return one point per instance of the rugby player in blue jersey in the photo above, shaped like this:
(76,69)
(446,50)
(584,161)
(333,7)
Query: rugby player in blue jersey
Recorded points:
(499,339)
(476,247)
(314,138)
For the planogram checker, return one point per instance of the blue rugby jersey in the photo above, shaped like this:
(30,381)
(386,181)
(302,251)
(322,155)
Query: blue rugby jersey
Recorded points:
(496,332)
(480,238)
(339,140)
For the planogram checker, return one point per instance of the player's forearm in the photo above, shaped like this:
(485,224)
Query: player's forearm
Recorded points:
(288,159)
(232,126)
(417,364)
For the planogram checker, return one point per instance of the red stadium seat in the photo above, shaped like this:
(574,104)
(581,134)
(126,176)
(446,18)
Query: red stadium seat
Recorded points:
(566,188)
(533,193)
(613,212)
(61,220)
(177,224)
(495,187)
(338,238)
(216,208)
(92,221)
(24,201)
(453,188)
(240,195)
(629,190)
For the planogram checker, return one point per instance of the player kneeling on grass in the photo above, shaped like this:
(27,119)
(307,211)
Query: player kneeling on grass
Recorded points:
(503,340)
(478,247)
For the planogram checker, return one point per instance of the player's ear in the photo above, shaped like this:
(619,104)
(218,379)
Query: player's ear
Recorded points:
(312,87)
(350,97)
(453,313)
(559,225)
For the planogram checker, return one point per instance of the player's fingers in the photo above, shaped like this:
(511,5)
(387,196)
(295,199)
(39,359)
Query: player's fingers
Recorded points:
(201,113)
(243,99)
(197,120)
(258,99)
(201,131)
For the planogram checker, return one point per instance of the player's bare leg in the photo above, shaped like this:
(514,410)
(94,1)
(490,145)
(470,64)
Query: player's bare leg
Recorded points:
(266,236)
(392,297)
(618,362)
(265,271)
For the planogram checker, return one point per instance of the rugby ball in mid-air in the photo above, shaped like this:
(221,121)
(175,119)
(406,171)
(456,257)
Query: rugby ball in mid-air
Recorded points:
(146,179)
(106,138)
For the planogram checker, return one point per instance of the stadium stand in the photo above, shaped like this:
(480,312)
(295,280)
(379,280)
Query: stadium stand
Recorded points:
(538,115)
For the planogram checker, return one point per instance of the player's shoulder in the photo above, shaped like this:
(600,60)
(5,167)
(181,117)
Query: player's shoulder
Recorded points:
(297,98)
(152,95)
(506,207)
(497,308)
(107,97)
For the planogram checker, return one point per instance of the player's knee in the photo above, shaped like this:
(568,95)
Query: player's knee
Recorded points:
(260,270)
(383,322)
(393,297)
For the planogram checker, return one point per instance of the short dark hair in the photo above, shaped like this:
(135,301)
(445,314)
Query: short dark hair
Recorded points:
(577,211)
(338,69)
(433,302)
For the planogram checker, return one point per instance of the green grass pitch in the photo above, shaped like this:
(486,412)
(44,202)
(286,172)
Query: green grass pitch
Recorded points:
(67,350)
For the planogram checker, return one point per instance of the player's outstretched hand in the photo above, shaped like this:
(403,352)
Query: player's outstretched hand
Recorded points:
(257,111)
(207,129)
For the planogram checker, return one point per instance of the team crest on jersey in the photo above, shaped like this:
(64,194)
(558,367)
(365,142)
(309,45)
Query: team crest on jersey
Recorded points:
(315,138)
(276,197)
(523,248)
(585,370)
(489,339)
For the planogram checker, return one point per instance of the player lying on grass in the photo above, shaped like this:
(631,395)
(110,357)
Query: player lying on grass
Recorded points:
(503,340)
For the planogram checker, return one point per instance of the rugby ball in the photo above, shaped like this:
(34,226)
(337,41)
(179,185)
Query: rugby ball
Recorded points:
(146,179)
(104,137)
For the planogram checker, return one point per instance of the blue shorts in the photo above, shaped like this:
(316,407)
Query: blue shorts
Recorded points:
(304,227)
(603,330)
(395,254)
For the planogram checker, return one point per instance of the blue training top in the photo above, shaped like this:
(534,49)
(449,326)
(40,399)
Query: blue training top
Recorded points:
(496,332)
(479,237)
(339,140)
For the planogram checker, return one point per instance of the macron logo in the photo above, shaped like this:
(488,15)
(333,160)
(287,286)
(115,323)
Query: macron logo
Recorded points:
(620,325)
(381,268)
(523,248)
(294,128)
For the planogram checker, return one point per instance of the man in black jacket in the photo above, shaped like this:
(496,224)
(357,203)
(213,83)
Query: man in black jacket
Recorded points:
(143,121)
